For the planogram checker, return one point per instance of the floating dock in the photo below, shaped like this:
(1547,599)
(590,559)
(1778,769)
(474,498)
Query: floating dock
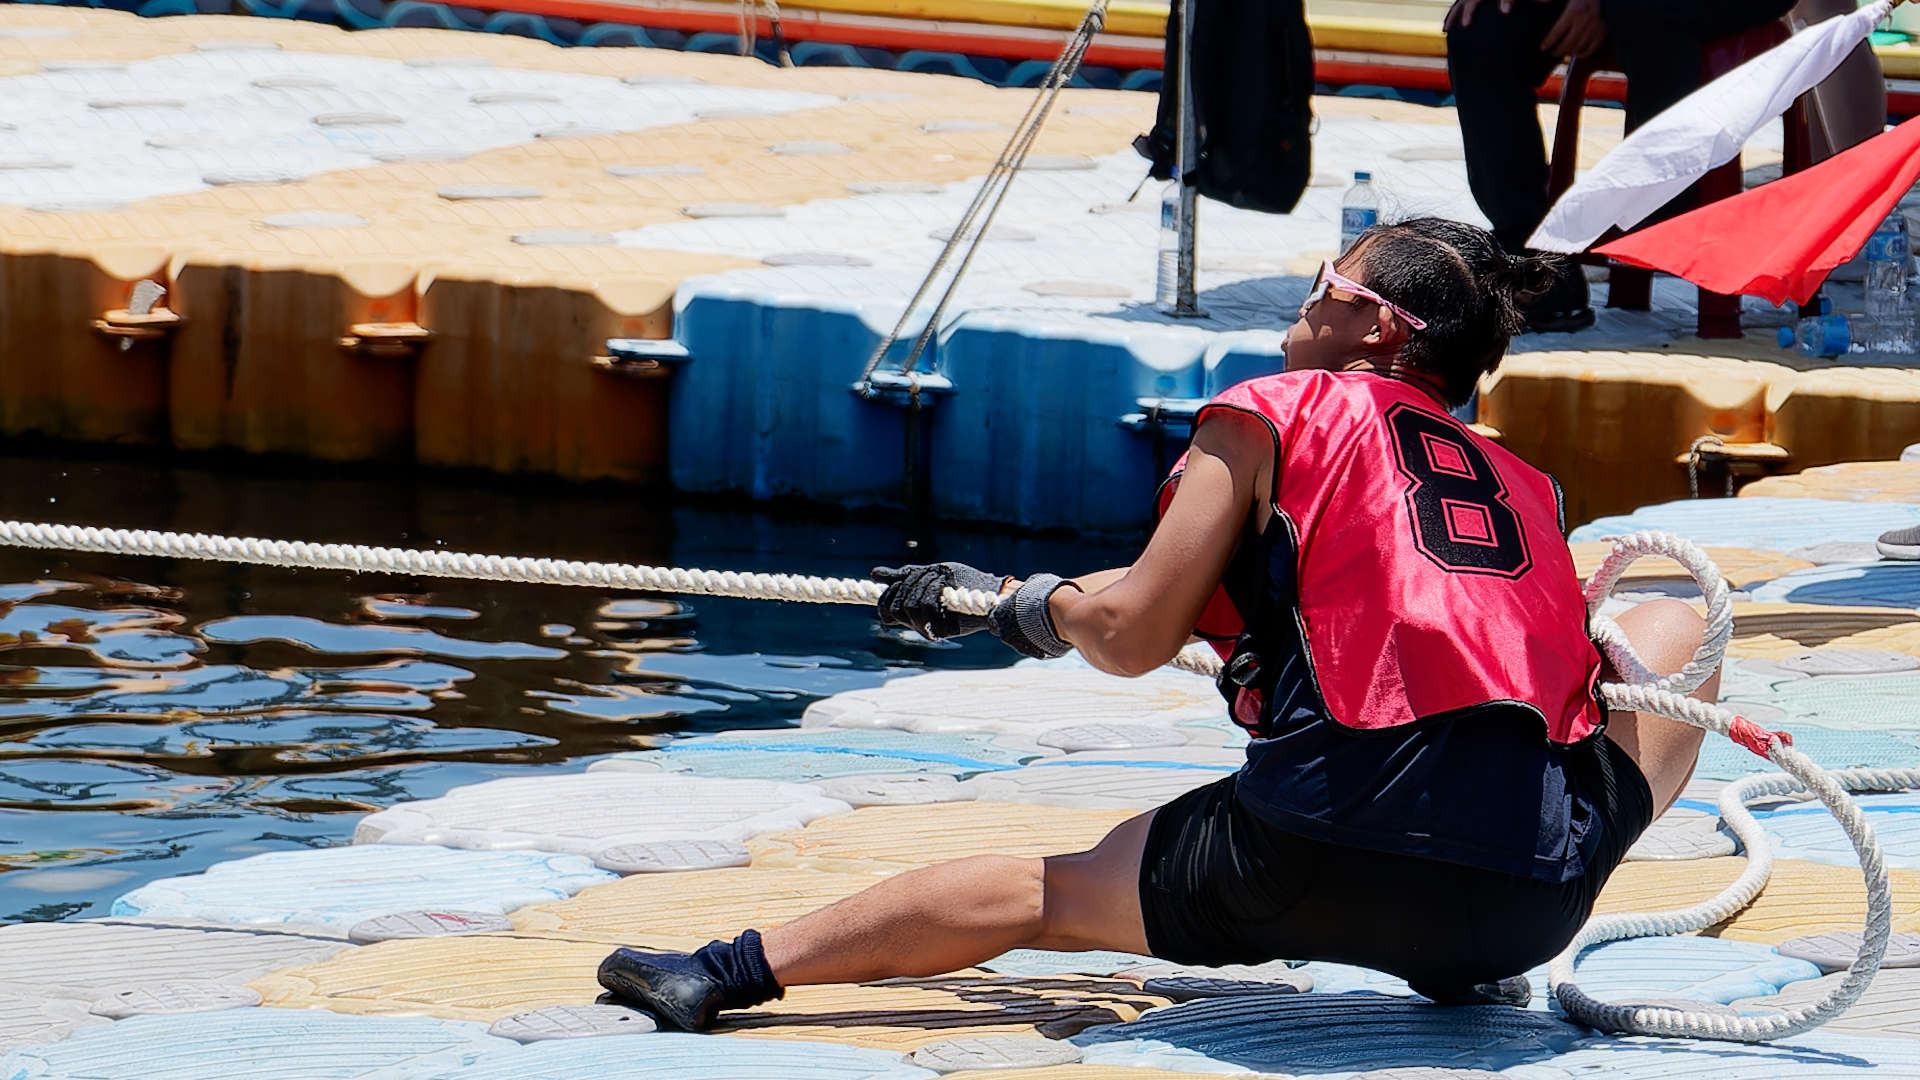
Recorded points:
(482,251)
(456,938)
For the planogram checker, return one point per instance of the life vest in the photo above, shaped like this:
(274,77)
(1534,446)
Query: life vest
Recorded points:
(1405,642)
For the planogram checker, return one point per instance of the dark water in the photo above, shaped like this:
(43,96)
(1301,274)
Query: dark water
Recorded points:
(158,716)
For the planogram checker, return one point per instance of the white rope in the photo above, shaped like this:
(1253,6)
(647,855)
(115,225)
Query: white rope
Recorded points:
(451,564)
(1664,696)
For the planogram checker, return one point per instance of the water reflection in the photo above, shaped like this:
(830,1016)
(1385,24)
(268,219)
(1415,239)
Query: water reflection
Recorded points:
(158,716)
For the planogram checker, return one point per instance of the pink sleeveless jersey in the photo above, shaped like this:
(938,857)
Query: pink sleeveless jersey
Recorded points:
(1432,572)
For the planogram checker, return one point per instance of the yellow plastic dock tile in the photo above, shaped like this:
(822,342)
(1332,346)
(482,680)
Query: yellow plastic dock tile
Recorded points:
(895,837)
(1855,481)
(480,978)
(1773,631)
(1740,566)
(1801,898)
(703,903)
(904,1014)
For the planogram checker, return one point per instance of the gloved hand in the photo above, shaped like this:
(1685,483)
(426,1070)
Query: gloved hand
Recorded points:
(912,599)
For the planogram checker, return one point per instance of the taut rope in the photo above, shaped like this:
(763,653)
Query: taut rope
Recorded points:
(1645,692)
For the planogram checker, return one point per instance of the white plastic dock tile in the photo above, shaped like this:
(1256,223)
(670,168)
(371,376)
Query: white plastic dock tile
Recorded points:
(1891,1006)
(1684,833)
(1763,524)
(1817,662)
(1323,1033)
(84,960)
(285,115)
(1809,831)
(255,1044)
(586,813)
(672,856)
(341,887)
(1140,779)
(407,925)
(811,754)
(29,1019)
(1028,962)
(1023,700)
(678,1056)
(572,1022)
(995,1052)
(887,789)
(1837,951)
(174,997)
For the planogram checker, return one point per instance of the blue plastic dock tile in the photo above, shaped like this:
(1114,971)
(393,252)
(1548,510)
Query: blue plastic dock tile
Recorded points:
(1763,524)
(1697,968)
(1888,703)
(254,1044)
(1026,392)
(819,753)
(1882,584)
(765,405)
(1808,830)
(338,887)
(677,1056)
(1692,968)
(1816,1055)
(1322,1033)
(1724,759)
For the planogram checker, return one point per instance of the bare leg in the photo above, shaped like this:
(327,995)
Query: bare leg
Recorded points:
(943,918)
(1665,633)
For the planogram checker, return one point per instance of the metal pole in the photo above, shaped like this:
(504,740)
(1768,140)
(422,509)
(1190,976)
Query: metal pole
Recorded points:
(1187,150)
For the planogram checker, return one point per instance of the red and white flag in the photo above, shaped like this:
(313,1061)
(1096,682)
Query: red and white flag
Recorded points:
(1703,130)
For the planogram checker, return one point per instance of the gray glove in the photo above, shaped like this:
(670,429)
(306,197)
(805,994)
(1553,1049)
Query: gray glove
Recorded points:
(912,599)
(1024,620)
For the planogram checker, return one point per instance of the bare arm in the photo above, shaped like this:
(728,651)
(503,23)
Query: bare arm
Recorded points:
(1131,621)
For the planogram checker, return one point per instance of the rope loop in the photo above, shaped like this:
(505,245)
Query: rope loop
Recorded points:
(1647,692)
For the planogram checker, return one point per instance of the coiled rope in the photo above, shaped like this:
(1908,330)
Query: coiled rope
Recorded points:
(1646,692)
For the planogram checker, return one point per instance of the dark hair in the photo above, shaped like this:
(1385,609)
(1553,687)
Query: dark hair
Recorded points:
(1464,284)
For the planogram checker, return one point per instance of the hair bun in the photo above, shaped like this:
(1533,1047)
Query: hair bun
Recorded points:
(1525,278)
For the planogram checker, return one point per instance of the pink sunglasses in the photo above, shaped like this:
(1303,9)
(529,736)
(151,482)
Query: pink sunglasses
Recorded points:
(1329,279)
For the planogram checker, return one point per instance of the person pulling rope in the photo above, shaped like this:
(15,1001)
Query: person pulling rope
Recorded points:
(1404,640)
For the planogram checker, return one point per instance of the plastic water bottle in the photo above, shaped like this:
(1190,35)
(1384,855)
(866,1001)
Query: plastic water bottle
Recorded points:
(1166,279)
(1819,335)
(1889,321)
(1359,210)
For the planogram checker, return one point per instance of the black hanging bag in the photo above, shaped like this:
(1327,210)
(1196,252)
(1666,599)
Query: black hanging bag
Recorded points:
(1253,102)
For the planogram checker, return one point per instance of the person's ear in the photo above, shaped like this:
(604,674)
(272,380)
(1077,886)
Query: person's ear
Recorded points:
(1387,330)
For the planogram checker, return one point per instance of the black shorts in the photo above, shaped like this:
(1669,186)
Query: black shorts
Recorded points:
(1220,885)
